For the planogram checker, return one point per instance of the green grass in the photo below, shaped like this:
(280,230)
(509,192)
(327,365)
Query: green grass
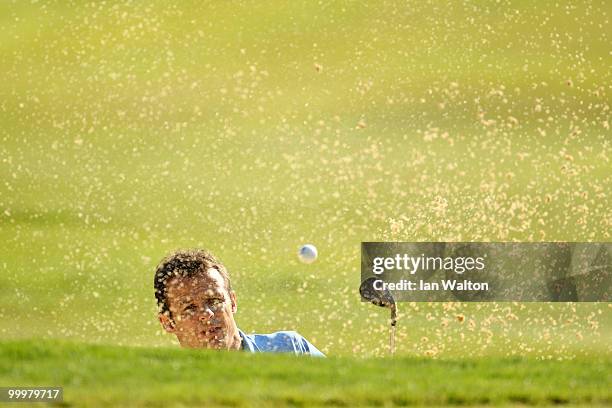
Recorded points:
(108,376)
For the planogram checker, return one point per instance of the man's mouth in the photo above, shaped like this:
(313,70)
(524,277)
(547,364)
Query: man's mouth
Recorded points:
(212,334)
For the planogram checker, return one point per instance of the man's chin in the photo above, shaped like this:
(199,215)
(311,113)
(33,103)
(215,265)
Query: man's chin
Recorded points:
(210,345)
(214,345)
(217,346)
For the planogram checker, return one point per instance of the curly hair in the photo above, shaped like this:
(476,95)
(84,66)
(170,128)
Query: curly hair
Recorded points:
(184,263)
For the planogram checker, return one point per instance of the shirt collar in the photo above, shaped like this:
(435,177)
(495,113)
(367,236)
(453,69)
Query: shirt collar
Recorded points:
(248,344)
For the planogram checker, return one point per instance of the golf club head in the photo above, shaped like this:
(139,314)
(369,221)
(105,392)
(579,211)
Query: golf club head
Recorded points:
(380,298)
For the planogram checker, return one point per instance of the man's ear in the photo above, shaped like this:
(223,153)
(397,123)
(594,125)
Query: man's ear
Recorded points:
(233,300)
(167,323)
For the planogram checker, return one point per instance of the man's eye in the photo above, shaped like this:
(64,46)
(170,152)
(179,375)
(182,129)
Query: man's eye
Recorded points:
(215,303)
(190,308)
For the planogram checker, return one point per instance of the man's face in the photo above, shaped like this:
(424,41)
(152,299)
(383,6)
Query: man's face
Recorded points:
(202,312)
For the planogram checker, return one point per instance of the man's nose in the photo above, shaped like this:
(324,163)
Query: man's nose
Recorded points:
(206,314)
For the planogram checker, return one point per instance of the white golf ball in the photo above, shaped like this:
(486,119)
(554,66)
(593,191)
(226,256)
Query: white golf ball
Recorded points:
(307,253)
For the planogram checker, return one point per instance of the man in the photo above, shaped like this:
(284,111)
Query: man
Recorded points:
(197,304)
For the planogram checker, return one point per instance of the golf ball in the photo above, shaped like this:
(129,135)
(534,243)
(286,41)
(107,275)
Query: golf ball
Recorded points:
(307,253)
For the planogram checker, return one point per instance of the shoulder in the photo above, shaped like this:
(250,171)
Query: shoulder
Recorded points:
(277,341)
(285,341)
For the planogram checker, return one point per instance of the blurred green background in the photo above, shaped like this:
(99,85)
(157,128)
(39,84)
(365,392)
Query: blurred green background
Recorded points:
(130,129)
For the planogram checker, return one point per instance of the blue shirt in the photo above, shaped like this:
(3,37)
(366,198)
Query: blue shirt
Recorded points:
(279,342)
